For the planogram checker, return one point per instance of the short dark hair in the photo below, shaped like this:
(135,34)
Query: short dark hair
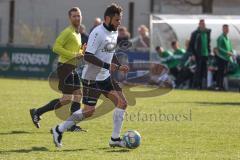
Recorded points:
(74,9)
(225,25)
(112,10)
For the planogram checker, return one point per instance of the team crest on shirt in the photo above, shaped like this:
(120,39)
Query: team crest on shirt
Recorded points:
(110,47)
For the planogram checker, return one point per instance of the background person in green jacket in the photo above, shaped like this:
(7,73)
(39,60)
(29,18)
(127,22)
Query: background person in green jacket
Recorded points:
(166,58)
(69,47)
(224,56)
(200,47)
(188,68)
(178,54)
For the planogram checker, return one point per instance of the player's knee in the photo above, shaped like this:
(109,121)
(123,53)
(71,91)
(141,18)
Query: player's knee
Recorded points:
(123,103)
(77,116)
(77,95)
(77,92)
(88,111)
(66,98)
(77,98)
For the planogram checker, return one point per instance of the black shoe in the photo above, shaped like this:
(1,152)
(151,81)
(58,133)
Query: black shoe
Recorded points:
(219,89)
(35,117)
(57,136)
(76,129)
(210,88)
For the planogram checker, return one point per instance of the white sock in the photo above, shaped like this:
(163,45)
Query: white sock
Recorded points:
(76,117)
(209,78)
(118,116)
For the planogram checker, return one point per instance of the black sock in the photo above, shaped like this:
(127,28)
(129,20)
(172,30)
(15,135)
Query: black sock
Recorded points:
(57,130)
(49,107)
(74,107)
(116,139)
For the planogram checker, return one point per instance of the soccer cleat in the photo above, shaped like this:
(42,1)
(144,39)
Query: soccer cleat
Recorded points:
(57,137)
(35,117)
(117,143)
(76,129)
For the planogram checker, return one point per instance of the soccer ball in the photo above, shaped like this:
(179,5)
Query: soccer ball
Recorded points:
(132,139)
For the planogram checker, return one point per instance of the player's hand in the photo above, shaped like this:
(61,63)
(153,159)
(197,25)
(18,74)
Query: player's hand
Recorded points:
(124,68)
(84,48)
(113,67)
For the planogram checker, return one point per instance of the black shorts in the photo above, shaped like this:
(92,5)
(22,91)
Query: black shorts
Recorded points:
(69,80)
(93,89)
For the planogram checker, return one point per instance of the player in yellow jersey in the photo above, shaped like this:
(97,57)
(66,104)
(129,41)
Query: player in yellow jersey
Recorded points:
(69,48)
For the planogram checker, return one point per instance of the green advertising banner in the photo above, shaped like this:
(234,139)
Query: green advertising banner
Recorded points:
(27,62)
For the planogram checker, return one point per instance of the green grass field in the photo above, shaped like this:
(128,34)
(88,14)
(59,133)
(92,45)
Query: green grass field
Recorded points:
(205,127)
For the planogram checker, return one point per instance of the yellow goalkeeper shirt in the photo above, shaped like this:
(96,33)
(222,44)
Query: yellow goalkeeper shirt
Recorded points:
(67,45)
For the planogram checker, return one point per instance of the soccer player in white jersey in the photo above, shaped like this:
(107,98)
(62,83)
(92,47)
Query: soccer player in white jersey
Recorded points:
(100,61)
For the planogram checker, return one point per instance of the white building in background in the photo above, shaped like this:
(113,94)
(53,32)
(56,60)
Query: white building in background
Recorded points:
(40,21)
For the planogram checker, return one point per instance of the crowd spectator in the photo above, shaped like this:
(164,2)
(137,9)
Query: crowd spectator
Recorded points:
(84,35)
(166,58)
(224,56)
(188,68)
(178,54)
(142,41)
(123,34)
(187,53)
(200,47)
(97,21)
